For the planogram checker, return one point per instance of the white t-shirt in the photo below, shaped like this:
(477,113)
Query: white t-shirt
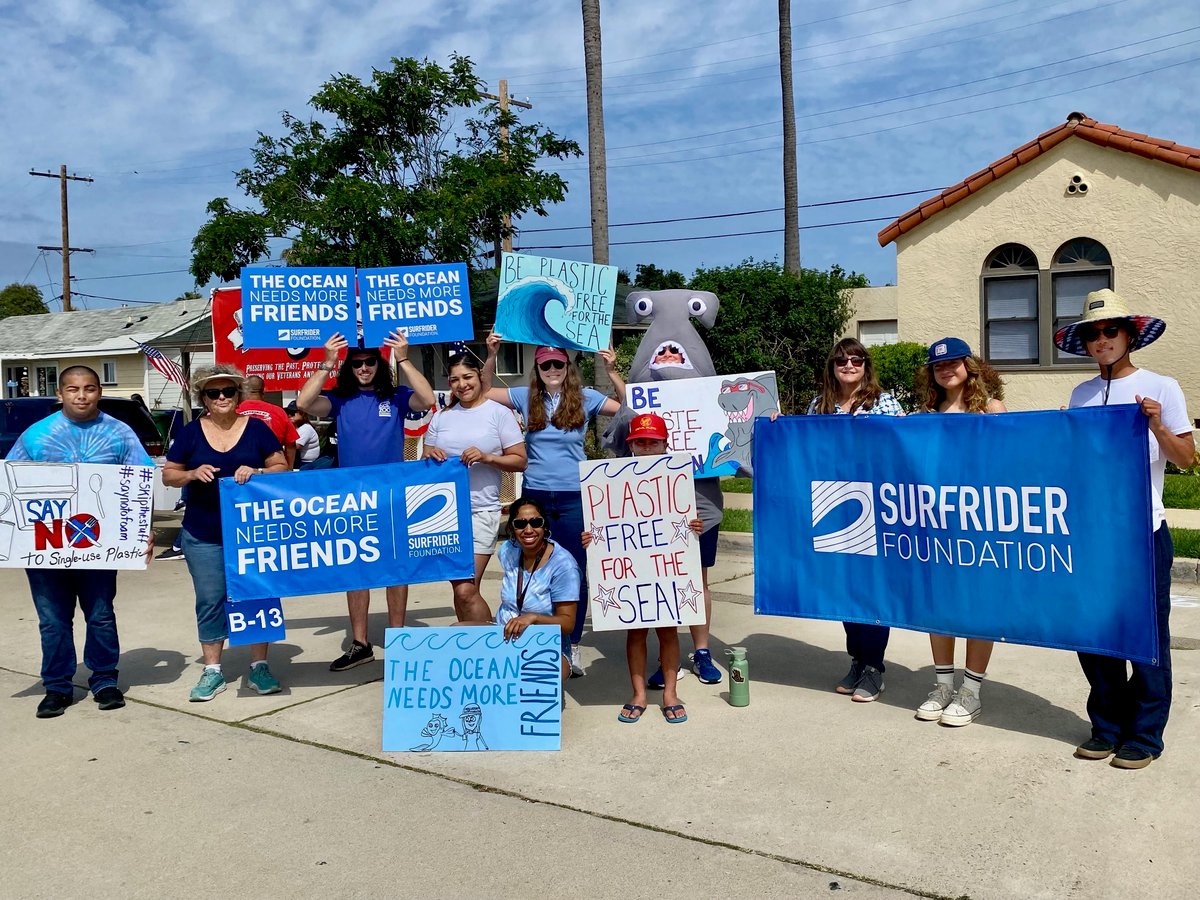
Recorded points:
(308,445)
(1143,383)
(489,427)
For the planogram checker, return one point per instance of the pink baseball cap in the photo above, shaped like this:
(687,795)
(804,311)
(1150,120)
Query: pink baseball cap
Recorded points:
(544,353)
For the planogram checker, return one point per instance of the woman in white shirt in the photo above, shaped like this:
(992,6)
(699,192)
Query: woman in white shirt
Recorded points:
(308,445)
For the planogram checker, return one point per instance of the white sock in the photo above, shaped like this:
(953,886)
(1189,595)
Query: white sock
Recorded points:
(213,667)
(945,675)
(973,680)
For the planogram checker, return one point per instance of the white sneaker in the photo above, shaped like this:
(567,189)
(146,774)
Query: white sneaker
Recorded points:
(939,699)
(576,662)
(962,709)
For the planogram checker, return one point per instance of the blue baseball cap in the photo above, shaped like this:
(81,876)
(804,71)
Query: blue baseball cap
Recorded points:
(948,348)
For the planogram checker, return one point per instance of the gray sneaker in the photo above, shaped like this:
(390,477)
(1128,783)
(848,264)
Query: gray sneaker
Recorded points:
(963,709)
(850,682)
(870,685)
(939,699)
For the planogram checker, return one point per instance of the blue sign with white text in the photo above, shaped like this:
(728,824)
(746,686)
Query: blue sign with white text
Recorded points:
(254,621)
(429,304)
(466,688)
(329,530)
(1030,528)
(296,307)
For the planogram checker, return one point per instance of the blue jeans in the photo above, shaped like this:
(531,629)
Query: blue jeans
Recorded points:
(1131,709)
(206,563)
(565,511)
(866,643)
(55,592)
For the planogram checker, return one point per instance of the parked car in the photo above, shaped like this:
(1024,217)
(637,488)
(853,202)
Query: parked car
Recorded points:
(19,413)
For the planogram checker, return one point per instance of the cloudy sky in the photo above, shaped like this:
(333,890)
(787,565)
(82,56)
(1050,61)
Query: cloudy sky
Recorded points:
(160,102)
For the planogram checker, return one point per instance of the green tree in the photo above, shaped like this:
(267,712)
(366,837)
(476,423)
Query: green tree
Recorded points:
(896,367)
(21,300)
(771,319)
(650,277)
(376,179)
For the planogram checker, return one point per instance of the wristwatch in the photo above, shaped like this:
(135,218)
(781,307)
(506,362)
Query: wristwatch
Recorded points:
(330,369)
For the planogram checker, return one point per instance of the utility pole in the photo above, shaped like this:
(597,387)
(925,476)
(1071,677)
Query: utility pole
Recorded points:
(66,247)
(791,187)
(597,164)
(504,100)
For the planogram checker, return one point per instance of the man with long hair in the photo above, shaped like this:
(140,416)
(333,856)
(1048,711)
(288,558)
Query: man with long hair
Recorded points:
(369,408)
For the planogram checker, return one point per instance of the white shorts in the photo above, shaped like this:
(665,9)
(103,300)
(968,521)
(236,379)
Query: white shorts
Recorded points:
(485,524)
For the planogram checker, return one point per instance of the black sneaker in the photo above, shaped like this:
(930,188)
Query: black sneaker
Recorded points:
(54,704)
(1094,748)
(850,682)
(110,697)
(1132,758)
(171,553)
(357,655)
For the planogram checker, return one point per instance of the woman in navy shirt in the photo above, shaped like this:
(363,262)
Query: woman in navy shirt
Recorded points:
(219,445)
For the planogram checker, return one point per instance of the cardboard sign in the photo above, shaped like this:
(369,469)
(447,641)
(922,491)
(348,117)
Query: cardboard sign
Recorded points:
(254,621)
(296,307)
(280,370)
(74,515)
(330,530)
(644,559)
(711,419)
(465,688)
(428,304)
(556,302)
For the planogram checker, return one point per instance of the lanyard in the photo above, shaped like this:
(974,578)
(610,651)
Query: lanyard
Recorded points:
(523,588)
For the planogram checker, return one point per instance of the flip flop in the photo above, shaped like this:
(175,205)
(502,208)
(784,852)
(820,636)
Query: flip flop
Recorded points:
(677,708)
(630,720)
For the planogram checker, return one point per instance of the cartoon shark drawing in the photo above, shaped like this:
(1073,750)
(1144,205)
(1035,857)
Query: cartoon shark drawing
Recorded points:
(742,399)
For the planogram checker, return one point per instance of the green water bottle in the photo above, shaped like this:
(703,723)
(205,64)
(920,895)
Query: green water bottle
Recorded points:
(739,677)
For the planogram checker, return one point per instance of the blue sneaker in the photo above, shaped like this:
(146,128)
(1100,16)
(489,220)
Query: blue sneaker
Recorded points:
(702,665)
(210,684)
(262,681)
(656,681)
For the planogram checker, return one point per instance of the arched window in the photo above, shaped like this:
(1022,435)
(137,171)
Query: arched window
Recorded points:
(1080,266)
(1010,305)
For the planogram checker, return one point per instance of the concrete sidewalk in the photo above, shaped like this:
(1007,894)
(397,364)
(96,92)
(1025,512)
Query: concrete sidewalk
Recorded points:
(291,795)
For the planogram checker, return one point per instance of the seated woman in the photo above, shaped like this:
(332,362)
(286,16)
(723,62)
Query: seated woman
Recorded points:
(540,583)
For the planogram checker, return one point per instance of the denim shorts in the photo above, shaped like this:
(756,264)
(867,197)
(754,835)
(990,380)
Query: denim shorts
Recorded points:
(206,563)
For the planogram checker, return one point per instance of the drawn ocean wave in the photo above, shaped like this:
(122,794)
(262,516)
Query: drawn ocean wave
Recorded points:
(470,638)
(640,466)
(527,310)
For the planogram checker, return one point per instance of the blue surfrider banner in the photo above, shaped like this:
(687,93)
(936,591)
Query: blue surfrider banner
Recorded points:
(1031,528)
(330,530)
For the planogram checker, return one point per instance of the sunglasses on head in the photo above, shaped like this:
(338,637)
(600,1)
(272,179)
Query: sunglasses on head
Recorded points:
(522,524)
(549,364)
(226,392)
(1091,332)
(362,361)
(856,361)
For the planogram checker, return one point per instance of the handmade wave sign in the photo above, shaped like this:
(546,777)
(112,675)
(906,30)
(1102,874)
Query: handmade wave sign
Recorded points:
(331,530)
(983,526)
(74,515)
(466,688)
(556,302)
(644,559)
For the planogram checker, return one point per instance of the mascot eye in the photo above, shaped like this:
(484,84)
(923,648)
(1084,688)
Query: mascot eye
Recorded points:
(697,307)
(643,306)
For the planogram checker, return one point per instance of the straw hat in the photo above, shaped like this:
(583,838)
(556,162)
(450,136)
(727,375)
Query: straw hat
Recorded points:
(1102,306)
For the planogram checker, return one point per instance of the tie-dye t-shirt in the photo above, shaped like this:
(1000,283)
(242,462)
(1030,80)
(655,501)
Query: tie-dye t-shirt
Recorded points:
(102,440)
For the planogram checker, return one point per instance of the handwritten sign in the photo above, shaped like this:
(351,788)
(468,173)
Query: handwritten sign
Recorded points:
(429,304)
(465,688)
(711,419)
(556,302)
(254,621)
(74,515)
(296,307)
(329,530)
(644,559)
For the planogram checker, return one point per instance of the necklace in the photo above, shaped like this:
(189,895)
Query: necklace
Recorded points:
(522,588)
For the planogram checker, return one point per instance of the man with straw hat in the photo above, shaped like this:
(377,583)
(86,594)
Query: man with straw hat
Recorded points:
(1129,711)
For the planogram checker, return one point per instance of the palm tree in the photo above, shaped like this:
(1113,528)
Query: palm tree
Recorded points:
(597,168)
(791,189)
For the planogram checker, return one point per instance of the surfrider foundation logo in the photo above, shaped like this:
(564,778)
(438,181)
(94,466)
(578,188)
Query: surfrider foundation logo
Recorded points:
(859,537)
(436,504)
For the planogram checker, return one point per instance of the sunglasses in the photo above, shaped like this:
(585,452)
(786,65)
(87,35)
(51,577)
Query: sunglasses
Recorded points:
(363,361)
(522,524)
(226,392)
(856,361)
(552,364)
(1091,333)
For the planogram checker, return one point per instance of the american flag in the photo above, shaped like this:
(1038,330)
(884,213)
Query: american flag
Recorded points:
(454,348)
(168,368)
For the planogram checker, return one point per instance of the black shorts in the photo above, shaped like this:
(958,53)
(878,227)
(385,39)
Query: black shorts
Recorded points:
(708,547)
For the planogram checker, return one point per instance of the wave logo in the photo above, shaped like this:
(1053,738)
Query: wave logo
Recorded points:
(431,508)
(283,334)
(859,536)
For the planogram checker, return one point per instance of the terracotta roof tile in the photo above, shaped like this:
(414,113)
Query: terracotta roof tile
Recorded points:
(1077,125)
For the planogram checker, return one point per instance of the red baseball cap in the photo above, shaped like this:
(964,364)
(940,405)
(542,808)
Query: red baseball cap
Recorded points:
(649,426)
(544,353)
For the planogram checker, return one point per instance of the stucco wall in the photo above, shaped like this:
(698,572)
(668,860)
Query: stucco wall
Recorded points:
(1147,214)
(872,304)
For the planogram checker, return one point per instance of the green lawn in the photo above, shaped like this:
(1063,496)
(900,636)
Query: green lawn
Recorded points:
(737,485)
(1187,542)
(1180,492)
(737,520)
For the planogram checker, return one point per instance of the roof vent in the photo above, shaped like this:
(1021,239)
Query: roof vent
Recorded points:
(1075,118)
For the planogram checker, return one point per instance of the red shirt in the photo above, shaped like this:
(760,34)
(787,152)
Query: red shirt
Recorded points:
(274,417)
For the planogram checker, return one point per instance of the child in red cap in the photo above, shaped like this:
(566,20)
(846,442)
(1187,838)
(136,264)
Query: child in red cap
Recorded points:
(648,437)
